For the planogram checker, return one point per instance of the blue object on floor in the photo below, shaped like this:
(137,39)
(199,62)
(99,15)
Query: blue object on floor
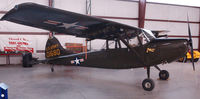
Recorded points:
(3,91)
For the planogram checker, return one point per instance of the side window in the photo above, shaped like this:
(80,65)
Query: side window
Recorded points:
(135,42)
(143,38)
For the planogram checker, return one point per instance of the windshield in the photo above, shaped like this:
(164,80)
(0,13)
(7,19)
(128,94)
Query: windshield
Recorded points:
(148,35)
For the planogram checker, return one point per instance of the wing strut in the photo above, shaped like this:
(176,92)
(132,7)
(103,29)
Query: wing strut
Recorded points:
(107,45)
(117,43)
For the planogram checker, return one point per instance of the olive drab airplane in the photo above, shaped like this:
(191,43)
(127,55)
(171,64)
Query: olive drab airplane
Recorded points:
(142,49)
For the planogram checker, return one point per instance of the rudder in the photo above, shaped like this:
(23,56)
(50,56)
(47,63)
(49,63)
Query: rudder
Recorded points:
(54,48)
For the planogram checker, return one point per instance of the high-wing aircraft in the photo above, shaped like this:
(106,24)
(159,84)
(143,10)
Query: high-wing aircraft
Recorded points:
(142,49)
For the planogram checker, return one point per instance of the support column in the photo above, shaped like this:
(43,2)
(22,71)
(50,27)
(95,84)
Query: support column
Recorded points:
(50,3)
(88,7)
(89,12)
(142,10)
(199,38)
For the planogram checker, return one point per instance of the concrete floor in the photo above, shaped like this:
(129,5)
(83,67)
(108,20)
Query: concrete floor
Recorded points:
(92,83)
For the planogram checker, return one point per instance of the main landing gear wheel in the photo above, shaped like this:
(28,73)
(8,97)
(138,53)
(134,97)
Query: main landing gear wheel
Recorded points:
(148,84)
(164,75)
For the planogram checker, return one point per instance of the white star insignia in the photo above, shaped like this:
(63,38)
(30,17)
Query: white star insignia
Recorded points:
(73,25)
(2,95)
(66,25)
(77,61)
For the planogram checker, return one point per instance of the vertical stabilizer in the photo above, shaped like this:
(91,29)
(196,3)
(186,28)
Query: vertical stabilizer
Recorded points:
(54,48)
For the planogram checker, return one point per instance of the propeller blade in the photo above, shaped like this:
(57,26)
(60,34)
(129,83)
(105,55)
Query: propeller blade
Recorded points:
(192,58)
(190,42)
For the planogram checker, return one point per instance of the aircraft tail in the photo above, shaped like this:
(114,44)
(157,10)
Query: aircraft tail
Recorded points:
(54,48)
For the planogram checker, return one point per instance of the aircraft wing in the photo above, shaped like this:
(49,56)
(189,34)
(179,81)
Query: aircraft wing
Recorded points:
(70,23)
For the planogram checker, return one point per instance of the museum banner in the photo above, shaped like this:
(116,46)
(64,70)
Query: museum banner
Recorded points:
(13,43)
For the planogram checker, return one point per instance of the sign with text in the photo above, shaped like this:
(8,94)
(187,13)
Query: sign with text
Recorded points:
(16,43)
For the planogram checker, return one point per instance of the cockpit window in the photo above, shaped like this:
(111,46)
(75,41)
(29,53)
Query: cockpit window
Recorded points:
(145,36)
(148,34)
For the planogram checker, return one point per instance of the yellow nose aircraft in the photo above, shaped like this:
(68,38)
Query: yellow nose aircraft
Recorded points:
(188,56)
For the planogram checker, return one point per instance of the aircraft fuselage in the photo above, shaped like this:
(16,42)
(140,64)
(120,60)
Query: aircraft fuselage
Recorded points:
(156,52)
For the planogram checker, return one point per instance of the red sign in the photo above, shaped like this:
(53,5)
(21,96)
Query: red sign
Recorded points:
(13,49)
(18,44)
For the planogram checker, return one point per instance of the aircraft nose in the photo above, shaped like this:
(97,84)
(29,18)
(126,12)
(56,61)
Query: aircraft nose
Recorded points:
(178,49)
(182,47)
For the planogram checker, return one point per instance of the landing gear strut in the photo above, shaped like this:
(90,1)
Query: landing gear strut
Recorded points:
(148,84)
(163,75)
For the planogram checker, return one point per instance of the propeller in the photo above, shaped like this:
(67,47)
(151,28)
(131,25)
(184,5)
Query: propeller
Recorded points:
(190,43)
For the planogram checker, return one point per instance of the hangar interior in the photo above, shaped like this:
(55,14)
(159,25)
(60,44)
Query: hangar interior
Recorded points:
(152,16)
(89,83)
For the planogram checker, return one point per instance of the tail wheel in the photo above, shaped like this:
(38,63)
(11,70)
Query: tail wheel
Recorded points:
(148,84)
(52,69)
(164,75)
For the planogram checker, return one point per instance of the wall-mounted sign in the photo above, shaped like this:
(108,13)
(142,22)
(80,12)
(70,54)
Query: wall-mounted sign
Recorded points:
(17,43)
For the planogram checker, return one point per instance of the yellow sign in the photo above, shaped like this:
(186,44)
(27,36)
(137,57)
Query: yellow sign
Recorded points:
(150,50)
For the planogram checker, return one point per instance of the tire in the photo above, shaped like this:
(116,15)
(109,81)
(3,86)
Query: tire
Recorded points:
(27,58)
(196,60)
(164,75)
(148,84)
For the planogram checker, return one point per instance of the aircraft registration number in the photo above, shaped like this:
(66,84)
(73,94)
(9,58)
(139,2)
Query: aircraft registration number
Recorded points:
(52,53)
